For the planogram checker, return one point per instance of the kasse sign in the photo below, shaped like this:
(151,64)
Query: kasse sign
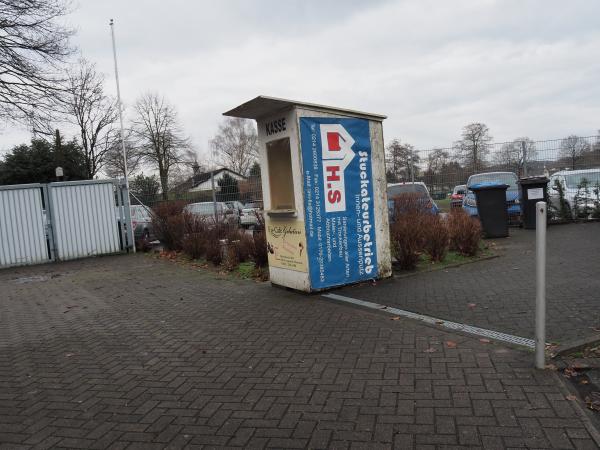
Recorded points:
(338,198)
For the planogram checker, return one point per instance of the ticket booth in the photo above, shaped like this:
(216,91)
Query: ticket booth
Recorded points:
(324,193)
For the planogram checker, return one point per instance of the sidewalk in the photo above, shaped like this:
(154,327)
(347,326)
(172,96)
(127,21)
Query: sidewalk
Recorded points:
(131,352)
(499,293)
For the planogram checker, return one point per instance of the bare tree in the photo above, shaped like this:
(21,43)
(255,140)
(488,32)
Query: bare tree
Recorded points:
(161,139)
(33,46)
(114,165)
(94,113)
(514,155)
(573,147)
(437,159)
(235,145)
(474,146)
(402,160)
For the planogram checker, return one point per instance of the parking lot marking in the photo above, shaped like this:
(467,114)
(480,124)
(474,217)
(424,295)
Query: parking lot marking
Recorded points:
(483,332)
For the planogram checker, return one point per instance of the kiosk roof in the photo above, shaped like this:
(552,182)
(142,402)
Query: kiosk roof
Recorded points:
(262,106)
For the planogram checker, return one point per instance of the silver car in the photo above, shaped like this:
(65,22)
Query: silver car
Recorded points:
(571,181)
(206,211)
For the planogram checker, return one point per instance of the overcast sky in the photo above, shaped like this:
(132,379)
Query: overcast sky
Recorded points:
(525,68)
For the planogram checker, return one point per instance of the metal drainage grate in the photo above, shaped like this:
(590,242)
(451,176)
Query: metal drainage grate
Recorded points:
(483,332)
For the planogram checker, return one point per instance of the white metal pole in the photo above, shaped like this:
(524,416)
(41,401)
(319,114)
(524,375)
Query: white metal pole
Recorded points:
(123,149)
(214,194)
(540,291)
(524,148)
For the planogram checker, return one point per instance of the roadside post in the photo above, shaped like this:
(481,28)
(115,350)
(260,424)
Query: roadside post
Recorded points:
(324,193)
(214,195)
(540,290)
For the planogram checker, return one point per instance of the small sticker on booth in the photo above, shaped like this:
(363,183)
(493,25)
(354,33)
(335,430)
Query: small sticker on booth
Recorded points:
(286,244)
(535,194)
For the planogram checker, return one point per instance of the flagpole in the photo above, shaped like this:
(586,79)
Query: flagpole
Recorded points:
(114,47)
(123,149)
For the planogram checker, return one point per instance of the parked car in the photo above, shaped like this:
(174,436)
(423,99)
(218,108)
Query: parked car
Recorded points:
(458,193)
(254,205)
(141,222)
(395,191)
(250,214)
(249,217)
(237,208)
(513,202)
(571,181)
(206,211)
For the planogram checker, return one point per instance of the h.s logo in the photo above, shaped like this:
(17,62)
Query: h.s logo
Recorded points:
(336,153)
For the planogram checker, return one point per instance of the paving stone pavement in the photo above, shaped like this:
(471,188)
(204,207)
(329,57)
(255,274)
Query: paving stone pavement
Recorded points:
(132,352)
(503,288)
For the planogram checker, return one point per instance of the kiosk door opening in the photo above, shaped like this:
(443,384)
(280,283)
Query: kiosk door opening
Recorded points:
(279,160)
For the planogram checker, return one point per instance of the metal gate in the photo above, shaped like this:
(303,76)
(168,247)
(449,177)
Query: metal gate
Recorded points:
(23,237)
(62,221)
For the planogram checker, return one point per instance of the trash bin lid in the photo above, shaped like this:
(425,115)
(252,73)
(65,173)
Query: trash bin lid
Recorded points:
(486,185)
(534,180)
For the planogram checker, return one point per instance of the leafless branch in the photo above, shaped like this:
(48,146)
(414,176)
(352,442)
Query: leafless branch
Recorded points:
(161,139)
(94,113)
(235,145)
(33,47)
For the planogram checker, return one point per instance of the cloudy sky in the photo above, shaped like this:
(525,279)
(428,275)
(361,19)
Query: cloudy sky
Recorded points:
(525,68)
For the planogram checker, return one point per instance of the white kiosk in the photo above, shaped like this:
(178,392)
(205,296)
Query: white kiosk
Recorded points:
(324,193)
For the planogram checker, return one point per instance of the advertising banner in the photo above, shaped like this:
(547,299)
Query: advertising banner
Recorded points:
(286,242)
(338,200)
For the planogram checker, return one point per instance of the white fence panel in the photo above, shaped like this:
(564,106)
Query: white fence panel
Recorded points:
(84,218)
(22,226)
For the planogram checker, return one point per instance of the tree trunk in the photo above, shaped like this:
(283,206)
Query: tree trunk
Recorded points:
(164,184)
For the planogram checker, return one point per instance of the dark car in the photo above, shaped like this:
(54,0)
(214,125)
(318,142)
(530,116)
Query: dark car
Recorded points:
(513,203)
(396,191)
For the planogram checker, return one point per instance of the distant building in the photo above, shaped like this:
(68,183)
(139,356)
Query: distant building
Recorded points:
(200,181)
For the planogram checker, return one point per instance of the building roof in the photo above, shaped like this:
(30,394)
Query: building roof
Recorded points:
(199,178)
(262,106)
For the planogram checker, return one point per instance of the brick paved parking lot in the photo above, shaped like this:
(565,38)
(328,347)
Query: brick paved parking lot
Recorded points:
(503,288)
(132,352)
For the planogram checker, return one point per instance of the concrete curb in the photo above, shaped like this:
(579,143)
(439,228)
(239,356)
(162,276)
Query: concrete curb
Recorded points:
(573,346)
(586,416)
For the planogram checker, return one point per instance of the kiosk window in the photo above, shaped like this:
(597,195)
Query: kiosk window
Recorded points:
(279,159)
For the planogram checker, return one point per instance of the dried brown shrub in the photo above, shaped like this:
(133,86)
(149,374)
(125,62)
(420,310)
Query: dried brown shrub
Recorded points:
(169,224)
(258,249)
(239,249)
(194,240)
(244,247)
(435,237)
(464,231)
(214,253)
(406,230)
(407,236)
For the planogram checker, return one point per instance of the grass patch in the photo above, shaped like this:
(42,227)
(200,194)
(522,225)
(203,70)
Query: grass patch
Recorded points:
(452,259)
(246,269)
(443,204)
